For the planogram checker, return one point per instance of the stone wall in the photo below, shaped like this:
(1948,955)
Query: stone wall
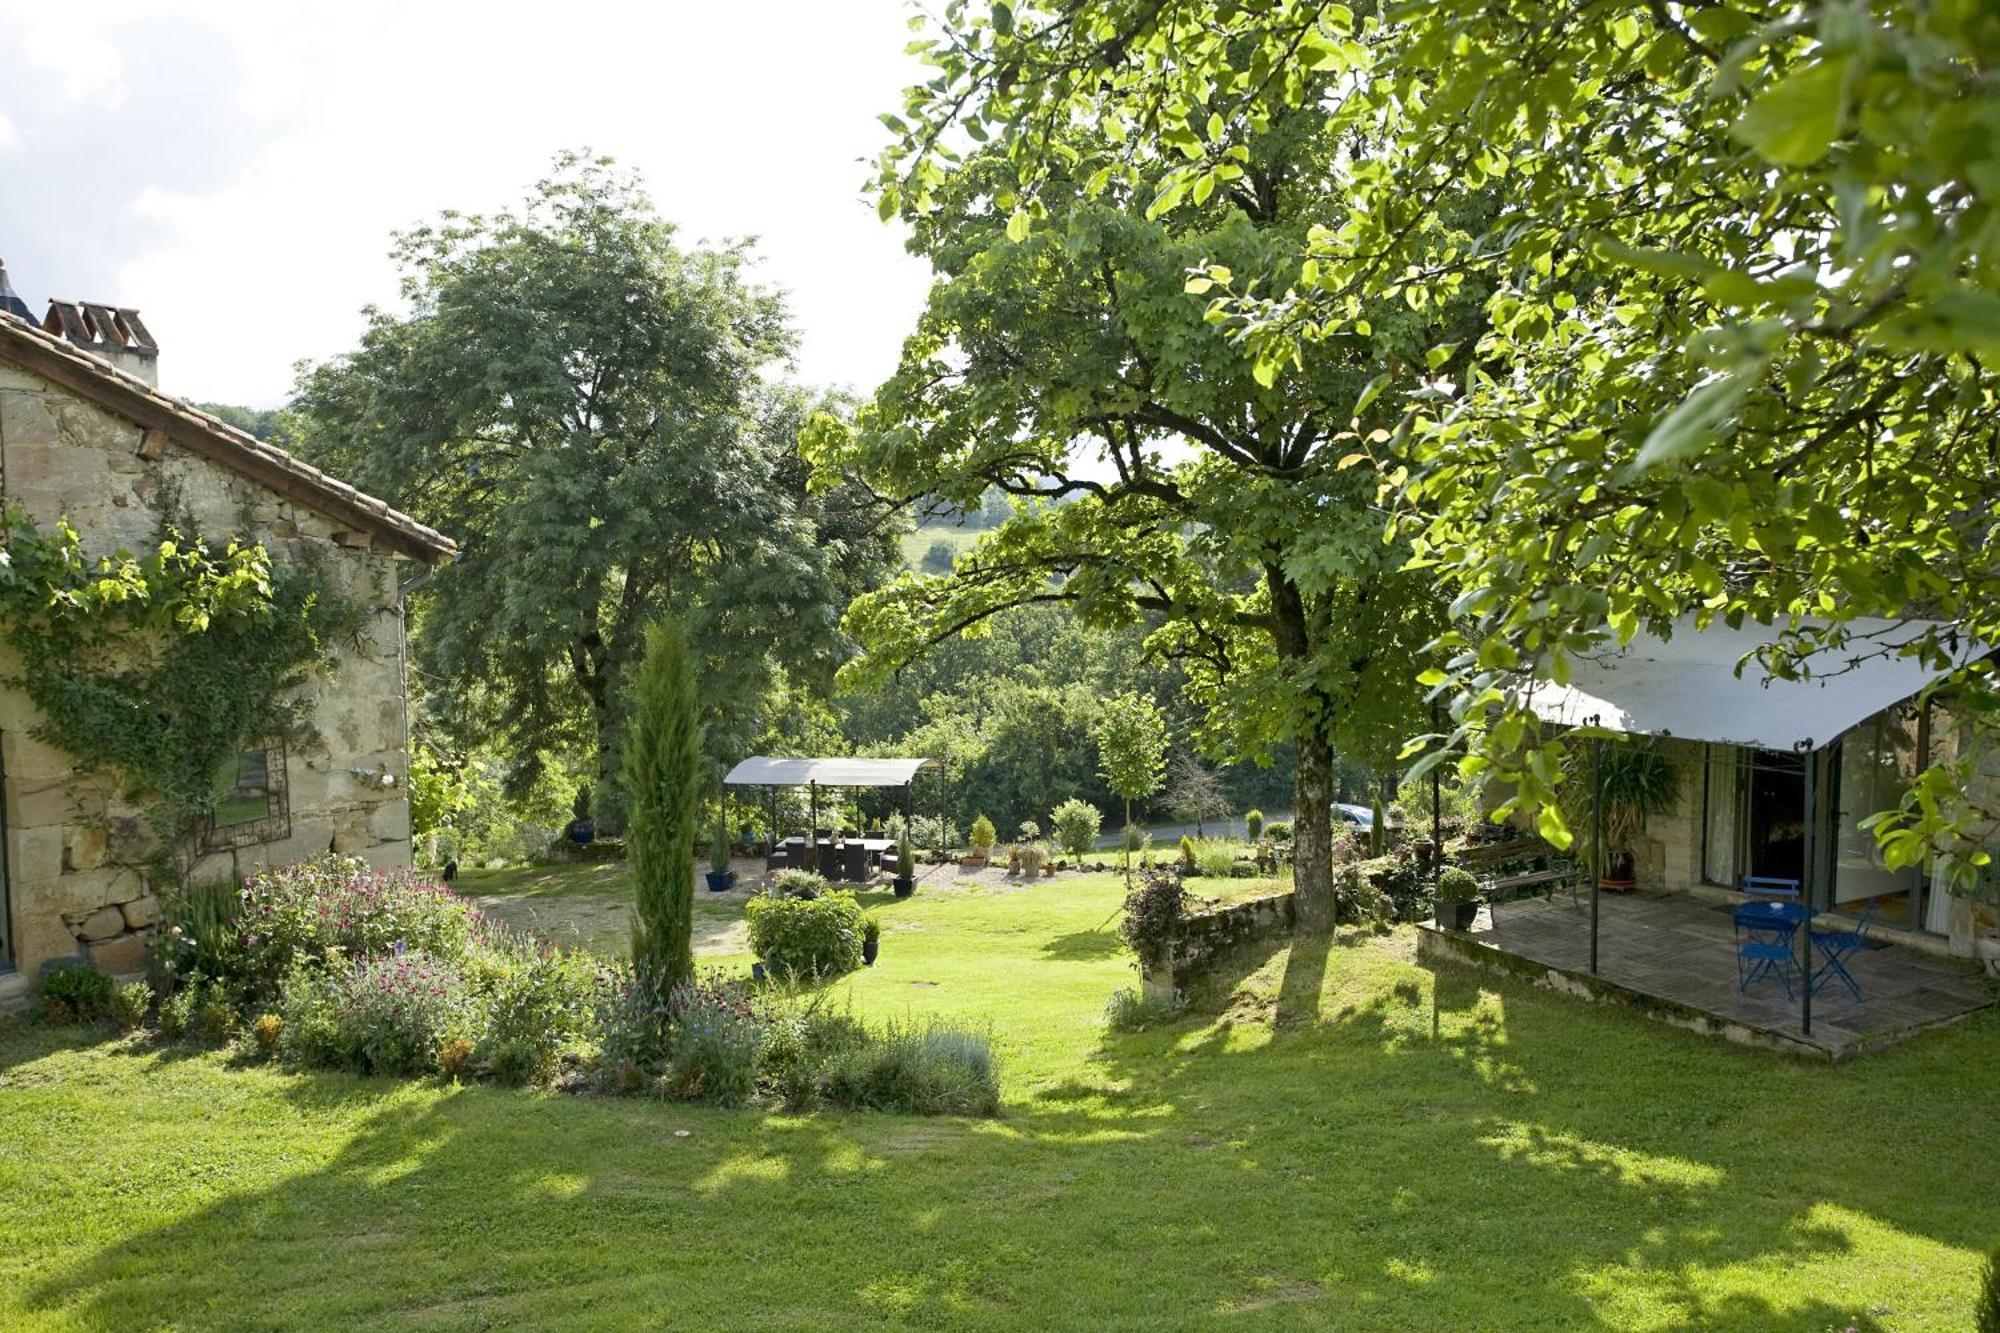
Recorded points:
(74,849)
(1208,933)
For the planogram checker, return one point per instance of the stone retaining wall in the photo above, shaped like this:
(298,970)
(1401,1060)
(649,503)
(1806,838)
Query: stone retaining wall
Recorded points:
(1207,934)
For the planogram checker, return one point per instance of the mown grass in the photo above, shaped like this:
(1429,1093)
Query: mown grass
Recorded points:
(1334,1137)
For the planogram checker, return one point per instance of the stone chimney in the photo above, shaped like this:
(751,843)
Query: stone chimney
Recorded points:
(112,333)
(10,300)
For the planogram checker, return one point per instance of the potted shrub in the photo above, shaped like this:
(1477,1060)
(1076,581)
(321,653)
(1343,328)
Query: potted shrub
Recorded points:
(1014,858)
(871,939)
(906,870)
(980,839)
(1457,899)
(1253,826)
(721,879)
(1032,855)
(1639,781)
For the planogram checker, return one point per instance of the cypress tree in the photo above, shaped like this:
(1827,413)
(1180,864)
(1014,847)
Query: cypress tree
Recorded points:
(662,773)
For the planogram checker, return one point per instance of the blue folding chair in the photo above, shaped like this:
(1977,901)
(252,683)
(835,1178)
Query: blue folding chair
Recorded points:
(1757,959)
(1835,947)
(1776,906)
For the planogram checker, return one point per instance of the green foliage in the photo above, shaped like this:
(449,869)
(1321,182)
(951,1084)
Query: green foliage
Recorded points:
(198,933)
(308,915)
(797,884)
(1456,884)
(1253,825)
(906,860)
(1189,859)
(1129,1010)
(161,668)
(177,1010)
(662,777)
(919,1067)
(1076,825)
(439,792)
(1215,857)
(1639,782)
(130,1004)
(384,1015)
(1154,912)
(982,835)
(1725,375)
(807,939)
(535,1003)
(1062,327)
(75,992)
(584,404)
(1131,738)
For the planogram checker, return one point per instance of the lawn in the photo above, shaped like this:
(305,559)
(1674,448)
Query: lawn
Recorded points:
(1334,1138)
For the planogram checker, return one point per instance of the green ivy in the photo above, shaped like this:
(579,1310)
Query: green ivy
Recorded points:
(159,668)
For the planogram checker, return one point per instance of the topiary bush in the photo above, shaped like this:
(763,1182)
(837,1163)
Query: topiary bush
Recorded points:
(76,992)
(1076,825)
(1253,825)
(1456,885)
(982,836)
(1278,830)
(807,938)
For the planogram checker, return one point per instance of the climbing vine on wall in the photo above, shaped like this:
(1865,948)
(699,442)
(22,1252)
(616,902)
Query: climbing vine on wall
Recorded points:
(160,668)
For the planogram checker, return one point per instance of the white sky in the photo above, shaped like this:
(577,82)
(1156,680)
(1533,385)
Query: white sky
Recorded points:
(234,170)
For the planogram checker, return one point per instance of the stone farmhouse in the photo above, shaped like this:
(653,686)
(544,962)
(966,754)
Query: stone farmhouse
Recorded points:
(86,434)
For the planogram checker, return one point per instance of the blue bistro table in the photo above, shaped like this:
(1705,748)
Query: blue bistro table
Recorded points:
(1777,920)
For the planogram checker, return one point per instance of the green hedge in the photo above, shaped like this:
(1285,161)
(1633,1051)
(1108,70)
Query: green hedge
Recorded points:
(807,937)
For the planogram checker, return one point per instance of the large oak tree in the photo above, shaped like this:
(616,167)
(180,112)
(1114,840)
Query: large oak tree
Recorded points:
(1160,477)
(1741,289)
(582,404)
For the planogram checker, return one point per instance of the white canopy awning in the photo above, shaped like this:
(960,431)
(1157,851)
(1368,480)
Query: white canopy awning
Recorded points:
(765,771)
(1687,686)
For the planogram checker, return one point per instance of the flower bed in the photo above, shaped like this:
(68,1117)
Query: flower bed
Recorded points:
(331,964)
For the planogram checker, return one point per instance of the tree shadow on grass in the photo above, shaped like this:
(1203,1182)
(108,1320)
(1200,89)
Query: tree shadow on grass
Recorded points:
(1084,945)
(1528,1164)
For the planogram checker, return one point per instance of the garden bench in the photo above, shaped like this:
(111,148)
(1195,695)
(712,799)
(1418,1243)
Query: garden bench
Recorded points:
(1521,886)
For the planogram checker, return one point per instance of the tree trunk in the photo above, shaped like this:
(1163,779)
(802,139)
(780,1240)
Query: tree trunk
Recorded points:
(1312,833)
(1312,783)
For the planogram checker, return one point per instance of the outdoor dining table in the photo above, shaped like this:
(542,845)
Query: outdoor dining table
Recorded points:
(877,847)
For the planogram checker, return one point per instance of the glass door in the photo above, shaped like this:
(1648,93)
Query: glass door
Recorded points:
(1775,816)
(1875,765)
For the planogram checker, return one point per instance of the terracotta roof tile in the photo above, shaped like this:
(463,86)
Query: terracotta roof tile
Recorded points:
(217,439)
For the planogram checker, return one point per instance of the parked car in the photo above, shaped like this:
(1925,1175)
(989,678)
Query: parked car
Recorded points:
(1361,819)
